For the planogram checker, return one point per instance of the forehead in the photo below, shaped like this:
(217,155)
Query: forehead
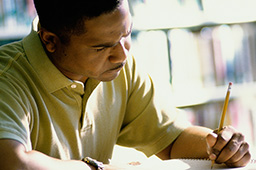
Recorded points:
(107,27)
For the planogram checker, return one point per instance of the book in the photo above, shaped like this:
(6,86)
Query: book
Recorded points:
(205,50)
(21,12)
(1,13)
(151,53)
(242,56)
(250,34)
(181,164)
(196,164)
(185,62)
(9,13)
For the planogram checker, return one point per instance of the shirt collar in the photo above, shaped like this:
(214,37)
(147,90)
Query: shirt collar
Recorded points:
(51,77)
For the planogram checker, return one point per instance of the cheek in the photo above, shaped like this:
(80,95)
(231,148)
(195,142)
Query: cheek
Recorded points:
(96,61)
(85,60)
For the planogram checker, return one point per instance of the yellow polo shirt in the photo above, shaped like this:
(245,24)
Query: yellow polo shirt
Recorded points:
(46,111)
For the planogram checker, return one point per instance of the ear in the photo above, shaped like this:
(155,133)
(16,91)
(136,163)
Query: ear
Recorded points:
(49,39)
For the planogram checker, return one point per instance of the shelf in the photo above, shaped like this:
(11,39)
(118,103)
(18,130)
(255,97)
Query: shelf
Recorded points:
(140,26)
(213,94)
(170,14)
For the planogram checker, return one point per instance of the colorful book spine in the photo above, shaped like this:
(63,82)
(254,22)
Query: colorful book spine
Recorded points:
(9,13)
(1,14)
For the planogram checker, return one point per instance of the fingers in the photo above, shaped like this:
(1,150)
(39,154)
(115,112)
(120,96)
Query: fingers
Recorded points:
(217,142)
(242,162)
(222,140)
(211,139)
(241,158)
(234,147)
(228,147)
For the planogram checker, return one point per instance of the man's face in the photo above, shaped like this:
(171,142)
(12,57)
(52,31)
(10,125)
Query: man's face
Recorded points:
(101,52)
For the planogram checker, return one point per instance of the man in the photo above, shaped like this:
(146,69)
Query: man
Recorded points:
(71,90)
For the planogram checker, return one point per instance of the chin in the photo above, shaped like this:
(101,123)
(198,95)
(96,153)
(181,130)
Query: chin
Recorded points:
(107,78)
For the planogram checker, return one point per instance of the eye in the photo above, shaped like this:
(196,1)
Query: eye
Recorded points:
(99,49)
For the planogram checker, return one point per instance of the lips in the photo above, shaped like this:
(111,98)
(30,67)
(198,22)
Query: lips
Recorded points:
(118,67)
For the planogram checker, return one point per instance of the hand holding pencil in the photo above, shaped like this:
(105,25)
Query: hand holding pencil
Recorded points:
(224,111)
(227,145)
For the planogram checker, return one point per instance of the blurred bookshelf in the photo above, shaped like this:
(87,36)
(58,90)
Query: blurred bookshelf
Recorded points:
(199,46)
(15,19)
(161,14)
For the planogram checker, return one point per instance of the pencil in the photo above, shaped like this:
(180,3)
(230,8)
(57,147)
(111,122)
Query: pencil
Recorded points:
(224,111)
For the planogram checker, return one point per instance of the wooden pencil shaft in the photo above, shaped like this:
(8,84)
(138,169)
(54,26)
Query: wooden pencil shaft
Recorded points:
(224,111)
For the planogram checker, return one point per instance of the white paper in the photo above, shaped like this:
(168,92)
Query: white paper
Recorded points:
(189,164)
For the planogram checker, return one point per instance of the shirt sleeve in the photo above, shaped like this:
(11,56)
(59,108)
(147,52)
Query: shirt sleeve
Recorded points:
(151,122)
(14,114)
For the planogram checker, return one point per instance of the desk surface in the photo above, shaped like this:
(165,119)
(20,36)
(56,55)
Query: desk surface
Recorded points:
(127,155)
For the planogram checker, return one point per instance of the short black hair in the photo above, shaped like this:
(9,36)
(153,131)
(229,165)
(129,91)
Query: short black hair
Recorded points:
(66,17)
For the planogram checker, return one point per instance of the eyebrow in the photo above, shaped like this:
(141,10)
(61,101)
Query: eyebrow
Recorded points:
(108,45)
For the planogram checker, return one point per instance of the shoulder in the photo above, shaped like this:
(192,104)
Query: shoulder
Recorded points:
(10,54)
(15,70)
(11,49)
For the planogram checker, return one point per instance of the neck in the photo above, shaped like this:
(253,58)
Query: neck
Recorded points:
(66,72)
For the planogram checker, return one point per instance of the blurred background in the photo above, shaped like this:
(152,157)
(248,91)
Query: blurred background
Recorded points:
(199,46)
(194,46)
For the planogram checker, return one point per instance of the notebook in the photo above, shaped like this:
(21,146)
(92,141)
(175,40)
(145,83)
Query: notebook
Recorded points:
(184,164)
(190,164)
(154,163)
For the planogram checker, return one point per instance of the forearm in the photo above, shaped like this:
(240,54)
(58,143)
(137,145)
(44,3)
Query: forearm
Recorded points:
(13,156)
(37,161)
(191,143)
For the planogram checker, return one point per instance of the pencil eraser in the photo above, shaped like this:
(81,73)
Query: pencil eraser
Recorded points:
(230,83)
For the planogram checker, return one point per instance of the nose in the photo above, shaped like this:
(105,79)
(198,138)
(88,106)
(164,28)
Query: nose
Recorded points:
(119,53)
